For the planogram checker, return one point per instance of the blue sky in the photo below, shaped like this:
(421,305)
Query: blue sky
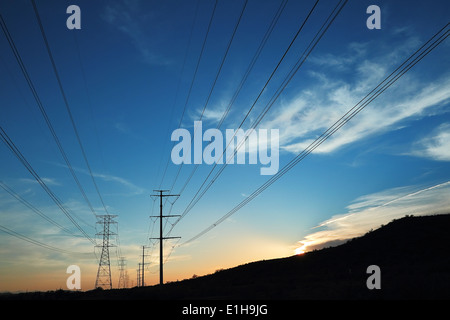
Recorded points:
(127,75)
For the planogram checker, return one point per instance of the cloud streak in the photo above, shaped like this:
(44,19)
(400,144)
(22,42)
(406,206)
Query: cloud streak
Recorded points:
(47,181)
(437,145)
(128,18)
(373,210)
(132,188)
(303,118)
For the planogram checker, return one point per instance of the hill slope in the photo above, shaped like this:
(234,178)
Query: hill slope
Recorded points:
(411,252)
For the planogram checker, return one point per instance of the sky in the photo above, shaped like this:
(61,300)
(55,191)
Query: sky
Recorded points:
(138,70)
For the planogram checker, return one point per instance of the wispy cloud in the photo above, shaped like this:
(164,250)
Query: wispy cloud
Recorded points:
(339,81)
(304,117)
(47,181)
(127,130)
(134,189)
(355,51)
(129,18)
(210,115)
(437,145)
(371,211)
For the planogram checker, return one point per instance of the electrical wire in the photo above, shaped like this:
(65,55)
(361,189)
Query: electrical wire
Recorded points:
(34,209)
(179,83)
(197,197)
(214,82)
(42,110)
(372,95)
(263,113)
(66,103)
(13,148)
(192,82)
(35,242)
(244,79)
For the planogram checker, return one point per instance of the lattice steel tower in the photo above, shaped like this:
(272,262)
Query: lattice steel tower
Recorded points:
(122,273)
(104,267)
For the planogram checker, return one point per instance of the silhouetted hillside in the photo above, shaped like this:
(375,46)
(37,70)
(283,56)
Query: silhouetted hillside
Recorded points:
(411,252)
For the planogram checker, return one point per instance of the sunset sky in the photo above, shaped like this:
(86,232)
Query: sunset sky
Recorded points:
(137,70)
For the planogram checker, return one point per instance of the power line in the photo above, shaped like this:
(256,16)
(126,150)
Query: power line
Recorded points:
(197,197)
(88,96)
(32,241)
(216,78)
(224,57)
(13,148)
(66,103)
(178,85)
(42,110)
(243,80)
(238,90)
(263,113)
(262,44)
(372,95)
(34,209)
(193,80)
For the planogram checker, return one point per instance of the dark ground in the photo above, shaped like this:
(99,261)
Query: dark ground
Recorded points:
(412,253)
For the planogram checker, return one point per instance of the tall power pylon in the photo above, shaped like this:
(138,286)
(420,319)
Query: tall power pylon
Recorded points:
(103,279)
(161,238)
(122,273)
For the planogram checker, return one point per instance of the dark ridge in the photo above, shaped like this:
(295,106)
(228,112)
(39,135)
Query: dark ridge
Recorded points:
(412,253)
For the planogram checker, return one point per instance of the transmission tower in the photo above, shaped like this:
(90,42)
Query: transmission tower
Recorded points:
(104,267)
(122,273)
(161,238)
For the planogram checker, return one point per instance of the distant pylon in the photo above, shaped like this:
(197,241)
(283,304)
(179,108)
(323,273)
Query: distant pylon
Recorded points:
(103,279)
(122,273)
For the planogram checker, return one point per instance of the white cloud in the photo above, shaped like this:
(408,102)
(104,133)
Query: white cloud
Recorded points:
(47,181)
(436,146)
(302,119)
(371,211)
(210,115)
(128,17)
(307,115)
(354,52)
(135,190)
